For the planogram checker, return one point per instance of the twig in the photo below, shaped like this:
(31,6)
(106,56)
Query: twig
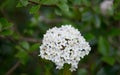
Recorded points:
(33,2)
(11,70)
(36,3)
(30,40)
(50,21)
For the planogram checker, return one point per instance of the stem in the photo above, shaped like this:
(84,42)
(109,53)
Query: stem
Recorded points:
(66,71)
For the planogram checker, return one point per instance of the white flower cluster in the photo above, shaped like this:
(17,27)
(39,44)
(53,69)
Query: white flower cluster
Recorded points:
(64,45)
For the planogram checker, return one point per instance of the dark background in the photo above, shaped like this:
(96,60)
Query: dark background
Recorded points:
(24,22)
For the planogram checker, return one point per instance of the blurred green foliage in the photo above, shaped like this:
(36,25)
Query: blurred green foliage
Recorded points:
(23,23)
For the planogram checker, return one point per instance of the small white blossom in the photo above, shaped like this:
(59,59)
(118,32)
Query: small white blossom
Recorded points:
(64,45)
(106,6)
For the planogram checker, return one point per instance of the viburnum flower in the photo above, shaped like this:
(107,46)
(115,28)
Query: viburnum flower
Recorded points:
(64,45)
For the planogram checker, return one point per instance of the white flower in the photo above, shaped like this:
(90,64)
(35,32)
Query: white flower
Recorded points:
(106,6)
(64,45)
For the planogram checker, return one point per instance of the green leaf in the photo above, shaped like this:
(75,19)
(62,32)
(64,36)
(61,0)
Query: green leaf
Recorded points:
(87,16)
(22,3)
(19,4)
(109,60)
(77,2)
(114,32)
(25,45)
(4,23)
(82,71)
(97,21)
(58,12)
(0,27)
(86,2)
(34,47)
(23,57)
(6,32)
(34,9)
(89,36)
(19,48)
(103,46)
(63,6)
